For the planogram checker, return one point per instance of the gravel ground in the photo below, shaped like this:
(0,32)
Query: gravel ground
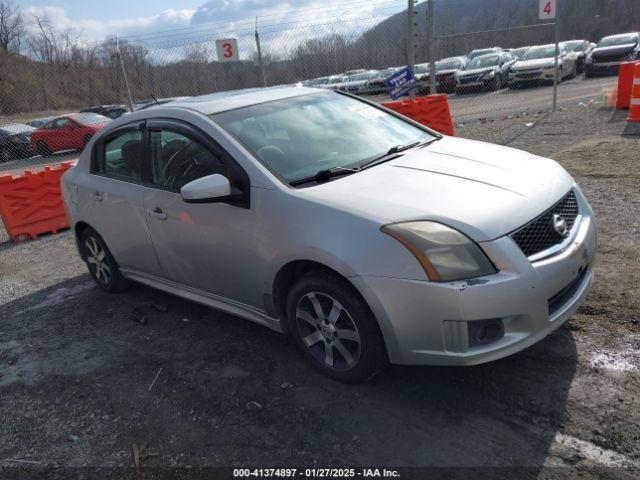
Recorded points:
(83,379)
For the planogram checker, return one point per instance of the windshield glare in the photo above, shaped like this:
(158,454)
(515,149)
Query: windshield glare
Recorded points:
(538,53)
(614,41)
(479,53)
(483,62)
(298,137)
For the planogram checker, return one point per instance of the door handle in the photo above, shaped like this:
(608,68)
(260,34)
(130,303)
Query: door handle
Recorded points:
(97,196)
(157,213)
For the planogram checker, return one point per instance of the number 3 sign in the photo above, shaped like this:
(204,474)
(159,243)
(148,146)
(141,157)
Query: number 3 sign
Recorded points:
(227,50)
(547,9)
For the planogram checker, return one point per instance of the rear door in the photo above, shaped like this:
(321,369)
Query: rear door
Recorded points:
(115,199)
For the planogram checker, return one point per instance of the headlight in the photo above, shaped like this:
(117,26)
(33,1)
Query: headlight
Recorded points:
(444,253)
(490,74)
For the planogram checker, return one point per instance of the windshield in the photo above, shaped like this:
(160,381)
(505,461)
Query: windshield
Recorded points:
(90,118)
(576,46)
(536,53)
(422,68)
(298,137)
(360,76)
(479,53)
(448,65)
(483,62)
(614,41)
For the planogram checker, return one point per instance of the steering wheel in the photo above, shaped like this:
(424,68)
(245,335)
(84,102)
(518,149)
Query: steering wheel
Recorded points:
(275,156)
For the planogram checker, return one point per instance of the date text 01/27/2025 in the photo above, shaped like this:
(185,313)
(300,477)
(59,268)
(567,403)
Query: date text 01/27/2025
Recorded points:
(315,473)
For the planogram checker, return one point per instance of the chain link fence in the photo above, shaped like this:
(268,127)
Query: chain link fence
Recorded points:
(44,88)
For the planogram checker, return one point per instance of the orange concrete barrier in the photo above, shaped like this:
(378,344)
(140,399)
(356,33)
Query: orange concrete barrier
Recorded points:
(625,82)
(432,111)
(634,103)
(31,204)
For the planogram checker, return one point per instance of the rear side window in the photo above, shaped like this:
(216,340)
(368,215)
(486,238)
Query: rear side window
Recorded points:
(123,156)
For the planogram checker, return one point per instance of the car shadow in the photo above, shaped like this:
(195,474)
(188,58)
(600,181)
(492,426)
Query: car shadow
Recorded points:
(212,389)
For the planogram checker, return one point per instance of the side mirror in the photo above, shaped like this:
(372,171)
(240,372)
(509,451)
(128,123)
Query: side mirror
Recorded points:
(206,189)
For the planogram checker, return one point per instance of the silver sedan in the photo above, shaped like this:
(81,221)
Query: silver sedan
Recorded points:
(369,238)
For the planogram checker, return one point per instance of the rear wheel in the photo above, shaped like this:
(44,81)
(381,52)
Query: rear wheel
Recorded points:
(335,329)
(102,266)
(42,148)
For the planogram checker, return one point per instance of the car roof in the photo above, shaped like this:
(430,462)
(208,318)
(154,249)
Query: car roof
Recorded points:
(12,128)
(232,99)
(621,35)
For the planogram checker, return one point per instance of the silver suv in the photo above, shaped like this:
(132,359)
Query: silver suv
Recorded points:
(369,238)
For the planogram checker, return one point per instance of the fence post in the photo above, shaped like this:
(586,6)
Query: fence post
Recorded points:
(431,38)
(556,72)
(260,62)
(410,35)
(124,73)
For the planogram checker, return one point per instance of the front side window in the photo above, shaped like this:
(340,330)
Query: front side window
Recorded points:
(299,136)
(178,160)
(123,156)
(61,123)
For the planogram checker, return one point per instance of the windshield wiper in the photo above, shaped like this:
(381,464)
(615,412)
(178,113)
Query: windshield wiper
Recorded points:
(389,155)
(325,175)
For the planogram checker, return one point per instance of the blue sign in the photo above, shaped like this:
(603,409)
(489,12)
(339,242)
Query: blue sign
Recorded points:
(401,82)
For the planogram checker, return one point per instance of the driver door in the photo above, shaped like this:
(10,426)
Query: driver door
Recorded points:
(209,246)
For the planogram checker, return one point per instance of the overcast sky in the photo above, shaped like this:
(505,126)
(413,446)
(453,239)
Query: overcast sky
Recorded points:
(98,19)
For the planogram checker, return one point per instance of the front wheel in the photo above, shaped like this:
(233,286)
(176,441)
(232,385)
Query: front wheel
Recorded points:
(102,266)
(335,329)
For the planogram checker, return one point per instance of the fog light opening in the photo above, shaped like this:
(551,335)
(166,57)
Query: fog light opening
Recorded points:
(485,331)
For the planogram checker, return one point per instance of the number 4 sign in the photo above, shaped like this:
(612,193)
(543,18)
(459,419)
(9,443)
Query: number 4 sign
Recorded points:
(227,50)
(548,9)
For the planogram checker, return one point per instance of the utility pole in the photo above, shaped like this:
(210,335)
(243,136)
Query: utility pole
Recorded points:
(260,62)
(556,78)
(431,42)
(124,74)
(411,55)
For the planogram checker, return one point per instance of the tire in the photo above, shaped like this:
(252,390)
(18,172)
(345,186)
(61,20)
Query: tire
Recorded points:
(335,329)
(42,148)
(102,266)
(494,84)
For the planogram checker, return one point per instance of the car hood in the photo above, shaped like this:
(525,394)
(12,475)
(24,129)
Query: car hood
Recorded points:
(615,50)
(537,63)
(484,190)
(477,71)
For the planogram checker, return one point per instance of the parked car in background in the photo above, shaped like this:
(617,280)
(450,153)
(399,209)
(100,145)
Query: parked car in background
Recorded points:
(610,52)
(38,122)
(446,70)
(358,82)
(483,51)
(334,82)
(581,48)
(538,65)
(519,52)
(67,132)
(15,141)
(316,82)
(485,73)
(367,237)
(111,111)
(422,75)
(376,82)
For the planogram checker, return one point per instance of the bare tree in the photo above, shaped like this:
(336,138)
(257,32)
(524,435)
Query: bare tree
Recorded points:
(11,27)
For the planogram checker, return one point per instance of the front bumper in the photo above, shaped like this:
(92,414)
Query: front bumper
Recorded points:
(531,76)
(603,68)
(427,323)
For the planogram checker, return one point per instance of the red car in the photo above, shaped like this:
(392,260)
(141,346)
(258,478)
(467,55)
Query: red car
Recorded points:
(67,132)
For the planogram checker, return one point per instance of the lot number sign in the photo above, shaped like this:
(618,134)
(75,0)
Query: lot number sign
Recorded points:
(548,9)
(227,50)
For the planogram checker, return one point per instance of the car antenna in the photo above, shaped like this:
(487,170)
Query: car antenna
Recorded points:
(153,97)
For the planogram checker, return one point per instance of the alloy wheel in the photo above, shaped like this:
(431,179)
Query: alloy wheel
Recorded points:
(97,260)
(328,331)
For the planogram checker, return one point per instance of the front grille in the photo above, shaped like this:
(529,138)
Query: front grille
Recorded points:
(540,234)
(619,57)
(473,79)
(528,75)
